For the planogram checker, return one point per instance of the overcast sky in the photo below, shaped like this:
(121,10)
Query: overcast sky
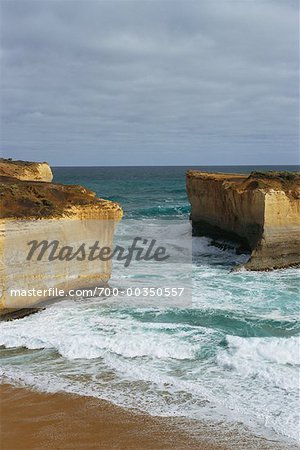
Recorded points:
(159,82)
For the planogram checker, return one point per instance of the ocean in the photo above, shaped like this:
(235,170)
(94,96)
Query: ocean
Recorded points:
(229,356)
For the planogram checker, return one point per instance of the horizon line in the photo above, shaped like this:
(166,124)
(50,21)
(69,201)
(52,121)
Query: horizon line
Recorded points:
(180,165)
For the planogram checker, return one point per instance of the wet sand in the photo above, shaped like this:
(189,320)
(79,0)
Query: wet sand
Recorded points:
(36,421)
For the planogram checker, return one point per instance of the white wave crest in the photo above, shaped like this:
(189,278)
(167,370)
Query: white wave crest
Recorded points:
(273,360)
(92,337)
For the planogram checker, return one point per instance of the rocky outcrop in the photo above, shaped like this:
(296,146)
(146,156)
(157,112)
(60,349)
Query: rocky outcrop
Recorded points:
(260,211)
(66,216)
(25,170)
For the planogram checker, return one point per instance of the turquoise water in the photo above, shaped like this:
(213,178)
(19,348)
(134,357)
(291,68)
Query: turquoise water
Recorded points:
(231,355)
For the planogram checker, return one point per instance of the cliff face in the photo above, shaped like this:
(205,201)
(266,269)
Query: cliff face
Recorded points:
(69,215)
(279,245)
(25,170)
(261,212)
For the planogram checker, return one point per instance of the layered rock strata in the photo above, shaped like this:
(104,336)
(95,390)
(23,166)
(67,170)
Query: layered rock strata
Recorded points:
(26,170)
(260,211)
(62,216)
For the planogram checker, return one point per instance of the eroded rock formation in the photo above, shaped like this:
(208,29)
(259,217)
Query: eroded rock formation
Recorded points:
(42,211)
(260,211)
(26,170)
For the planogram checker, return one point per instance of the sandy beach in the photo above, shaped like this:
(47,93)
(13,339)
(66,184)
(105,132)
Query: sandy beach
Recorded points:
(35,421)
(31,420)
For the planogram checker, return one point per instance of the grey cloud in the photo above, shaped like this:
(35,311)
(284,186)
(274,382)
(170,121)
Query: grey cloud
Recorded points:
(165,82)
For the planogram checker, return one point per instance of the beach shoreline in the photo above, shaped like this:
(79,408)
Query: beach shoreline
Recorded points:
(34,420)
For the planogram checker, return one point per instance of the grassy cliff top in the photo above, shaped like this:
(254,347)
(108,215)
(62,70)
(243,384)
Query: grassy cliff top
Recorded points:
(36,199)
(283,176)
(288,182)
(19,162)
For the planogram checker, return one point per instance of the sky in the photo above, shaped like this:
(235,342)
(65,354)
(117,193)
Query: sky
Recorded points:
(150,82)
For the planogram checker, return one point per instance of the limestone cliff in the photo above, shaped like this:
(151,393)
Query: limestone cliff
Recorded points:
(70,215)
(25,170)
(260,211)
